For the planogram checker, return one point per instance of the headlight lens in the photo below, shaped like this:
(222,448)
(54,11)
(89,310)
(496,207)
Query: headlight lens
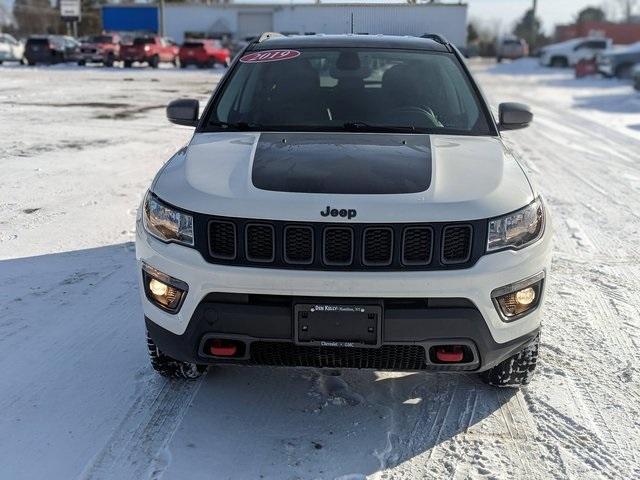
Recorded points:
(165,223)
(517,230)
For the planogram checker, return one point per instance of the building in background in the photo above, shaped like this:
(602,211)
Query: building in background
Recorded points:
(245,20)
(620,33)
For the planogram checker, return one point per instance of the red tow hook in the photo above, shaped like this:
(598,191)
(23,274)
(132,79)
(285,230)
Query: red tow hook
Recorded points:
(220,349)
(450,354)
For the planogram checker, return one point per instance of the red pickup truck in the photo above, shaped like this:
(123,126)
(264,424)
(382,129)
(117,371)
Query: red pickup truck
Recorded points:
(103,49)
(204,54)
(151,50)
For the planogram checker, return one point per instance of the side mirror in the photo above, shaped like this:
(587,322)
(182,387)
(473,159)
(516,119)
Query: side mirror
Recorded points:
(514,116)
(184,112)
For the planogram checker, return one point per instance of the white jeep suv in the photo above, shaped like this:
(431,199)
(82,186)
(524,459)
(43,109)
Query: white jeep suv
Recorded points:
(345,202)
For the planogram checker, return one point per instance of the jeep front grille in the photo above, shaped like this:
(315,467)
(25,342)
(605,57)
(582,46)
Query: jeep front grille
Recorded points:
(298,245)
(260,242)
(222,240)
(335,246)
(456,244)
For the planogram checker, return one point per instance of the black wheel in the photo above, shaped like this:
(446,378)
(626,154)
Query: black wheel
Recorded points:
(31,63)
(171,368)
(499,59)
(559,62)
(154,61)
(624,71)
(0,62)
(109,60)
(82,63)
(128,63)
(183,65)
(515,371)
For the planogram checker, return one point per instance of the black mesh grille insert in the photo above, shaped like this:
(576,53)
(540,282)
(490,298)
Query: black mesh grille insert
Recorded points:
(298,245)
(260,242)
(456,244)
(378,246)
(338,246)
(417,246)
(387,357)
(222,240)
(332,246)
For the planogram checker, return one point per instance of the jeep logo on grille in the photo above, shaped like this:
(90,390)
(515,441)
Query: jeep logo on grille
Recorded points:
(343,212)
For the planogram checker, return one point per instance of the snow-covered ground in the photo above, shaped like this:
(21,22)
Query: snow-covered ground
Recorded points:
(78,399)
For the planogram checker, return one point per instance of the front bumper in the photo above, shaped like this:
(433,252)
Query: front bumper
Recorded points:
(478,324)
(91,57)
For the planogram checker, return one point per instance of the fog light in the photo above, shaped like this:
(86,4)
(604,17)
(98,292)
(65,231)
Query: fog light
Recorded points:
(164,291)
(516,300)
(525,296)
(158,288)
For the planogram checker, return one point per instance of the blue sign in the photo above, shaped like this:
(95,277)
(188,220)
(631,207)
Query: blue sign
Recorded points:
(116,18)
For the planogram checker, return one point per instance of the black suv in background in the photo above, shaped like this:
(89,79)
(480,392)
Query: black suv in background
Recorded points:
(49,49)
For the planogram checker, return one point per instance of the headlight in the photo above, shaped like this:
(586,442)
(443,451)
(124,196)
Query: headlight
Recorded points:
(517,230)
(165,223)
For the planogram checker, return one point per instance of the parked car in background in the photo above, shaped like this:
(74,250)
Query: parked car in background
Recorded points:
(50,49)
(567,54)
(204,53)
(11,50)
(103,49)
(619,62)
(152,50)
(511,48)
(635,74)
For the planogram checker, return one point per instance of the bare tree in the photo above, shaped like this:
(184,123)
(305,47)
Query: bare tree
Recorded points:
(628,7)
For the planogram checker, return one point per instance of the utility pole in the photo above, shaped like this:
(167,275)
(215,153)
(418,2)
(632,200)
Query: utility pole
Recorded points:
(161,19)
(532,26)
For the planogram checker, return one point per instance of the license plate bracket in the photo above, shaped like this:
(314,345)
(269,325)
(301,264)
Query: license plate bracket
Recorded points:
(338,325)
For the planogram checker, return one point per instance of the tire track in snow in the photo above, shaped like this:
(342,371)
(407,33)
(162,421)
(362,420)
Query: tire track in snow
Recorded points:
(138,447)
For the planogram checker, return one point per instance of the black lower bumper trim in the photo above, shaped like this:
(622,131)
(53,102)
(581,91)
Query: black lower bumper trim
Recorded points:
(410,329)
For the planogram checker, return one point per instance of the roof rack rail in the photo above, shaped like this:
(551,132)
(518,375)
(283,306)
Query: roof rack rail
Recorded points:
(436,38)
(269,35)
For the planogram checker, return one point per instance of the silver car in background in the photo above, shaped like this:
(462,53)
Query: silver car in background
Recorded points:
(11,50)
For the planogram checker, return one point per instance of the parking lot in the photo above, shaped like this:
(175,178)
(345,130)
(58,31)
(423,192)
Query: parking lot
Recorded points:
(79,147)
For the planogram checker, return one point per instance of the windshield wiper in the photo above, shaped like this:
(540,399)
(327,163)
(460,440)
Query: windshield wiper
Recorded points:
(236,125)
(366,127)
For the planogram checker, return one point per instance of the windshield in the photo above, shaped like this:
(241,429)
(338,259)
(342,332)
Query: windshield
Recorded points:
(193,44)
(101,39)
(361,89)
(144,40)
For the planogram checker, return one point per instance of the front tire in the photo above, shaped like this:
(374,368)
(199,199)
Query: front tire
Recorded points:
(154,61)
(171,368)
(515,371)
(559,62)
(624,71)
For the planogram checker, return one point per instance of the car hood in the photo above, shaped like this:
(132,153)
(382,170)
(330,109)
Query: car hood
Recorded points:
(384,177)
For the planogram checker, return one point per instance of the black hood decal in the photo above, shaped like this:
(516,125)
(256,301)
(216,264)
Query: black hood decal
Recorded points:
(342,163)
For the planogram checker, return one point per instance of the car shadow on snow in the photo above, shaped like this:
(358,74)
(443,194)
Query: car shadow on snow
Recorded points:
(615,103)
(319,423)
(239,422)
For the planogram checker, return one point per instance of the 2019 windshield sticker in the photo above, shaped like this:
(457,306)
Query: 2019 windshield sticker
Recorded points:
(269,56)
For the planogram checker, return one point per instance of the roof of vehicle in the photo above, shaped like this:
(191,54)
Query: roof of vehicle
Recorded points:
(351,40)
(573,41)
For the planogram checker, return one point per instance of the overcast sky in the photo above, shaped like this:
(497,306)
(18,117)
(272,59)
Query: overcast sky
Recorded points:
(505,12)
(551,12)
